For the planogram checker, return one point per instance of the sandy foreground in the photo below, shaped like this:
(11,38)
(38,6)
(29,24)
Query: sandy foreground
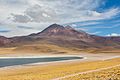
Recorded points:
(57,69)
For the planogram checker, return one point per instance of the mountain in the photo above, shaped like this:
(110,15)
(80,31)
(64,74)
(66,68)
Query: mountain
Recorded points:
(62,36)
(4,41)
(66,33)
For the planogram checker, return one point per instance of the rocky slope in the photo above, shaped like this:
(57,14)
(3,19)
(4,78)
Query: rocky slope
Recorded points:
(63,36)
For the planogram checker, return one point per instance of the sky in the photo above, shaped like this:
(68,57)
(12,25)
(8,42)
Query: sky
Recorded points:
(23,17)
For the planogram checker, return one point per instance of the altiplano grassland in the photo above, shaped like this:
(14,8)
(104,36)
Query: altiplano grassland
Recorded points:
(108,74)
(7,50)
(53,71)
(51,49)
(38,49)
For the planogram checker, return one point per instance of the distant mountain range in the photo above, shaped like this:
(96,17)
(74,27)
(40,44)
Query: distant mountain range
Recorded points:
(62,36)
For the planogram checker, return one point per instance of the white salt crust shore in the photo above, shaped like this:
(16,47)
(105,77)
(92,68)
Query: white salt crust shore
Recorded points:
(86,57)
(42,56)
(41,63)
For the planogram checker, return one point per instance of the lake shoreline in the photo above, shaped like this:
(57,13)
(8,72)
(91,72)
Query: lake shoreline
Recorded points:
(40,63)
(86,57)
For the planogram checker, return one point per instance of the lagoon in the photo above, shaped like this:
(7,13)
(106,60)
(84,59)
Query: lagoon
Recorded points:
(5,62)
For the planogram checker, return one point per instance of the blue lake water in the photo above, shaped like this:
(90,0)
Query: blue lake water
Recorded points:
(20,61)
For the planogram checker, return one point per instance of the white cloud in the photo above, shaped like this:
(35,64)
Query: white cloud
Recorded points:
(45,15)
(73,25)
(113,34)
(110,13)
(95,33)
(62,10)
(69,11)
(41,13)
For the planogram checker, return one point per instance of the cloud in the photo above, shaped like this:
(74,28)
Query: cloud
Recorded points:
(13,2)
(40,13)
(97,24)
(110,13)
(84,23)
(55,11)
(4,31)
(113,34)
(95,33)
(21,18)
(73,25)
(11,6)
(25,27)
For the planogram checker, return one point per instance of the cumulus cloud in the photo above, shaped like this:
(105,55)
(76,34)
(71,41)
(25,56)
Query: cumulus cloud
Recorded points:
(41,13)
(21,18)
(63,11)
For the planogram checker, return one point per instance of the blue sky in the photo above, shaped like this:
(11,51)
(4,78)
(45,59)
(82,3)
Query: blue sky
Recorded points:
(22,17)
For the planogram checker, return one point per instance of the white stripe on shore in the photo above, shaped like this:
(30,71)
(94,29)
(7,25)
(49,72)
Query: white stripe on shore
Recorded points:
(40,56)
(76,74)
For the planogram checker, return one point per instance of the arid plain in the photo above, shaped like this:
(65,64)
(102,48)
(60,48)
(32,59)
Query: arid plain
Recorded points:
(100,55)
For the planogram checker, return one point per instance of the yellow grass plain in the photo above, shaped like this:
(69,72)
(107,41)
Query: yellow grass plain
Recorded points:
(108,74)
(52,71)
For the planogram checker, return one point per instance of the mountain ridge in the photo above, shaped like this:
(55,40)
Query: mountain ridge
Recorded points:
(62,36)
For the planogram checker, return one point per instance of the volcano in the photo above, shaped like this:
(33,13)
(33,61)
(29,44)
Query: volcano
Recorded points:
(64,36)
